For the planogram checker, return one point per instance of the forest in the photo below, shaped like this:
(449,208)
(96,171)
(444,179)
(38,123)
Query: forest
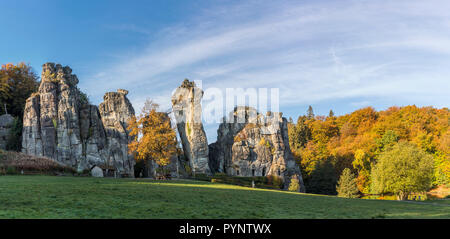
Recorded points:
(326,145)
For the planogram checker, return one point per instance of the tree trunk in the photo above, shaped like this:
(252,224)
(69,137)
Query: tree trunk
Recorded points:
(147,171)
(402,196)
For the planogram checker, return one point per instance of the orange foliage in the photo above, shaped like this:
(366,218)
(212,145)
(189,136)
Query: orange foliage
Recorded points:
(341,137)
(154,137)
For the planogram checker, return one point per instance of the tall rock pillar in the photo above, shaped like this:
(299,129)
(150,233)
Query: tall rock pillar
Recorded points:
(187,108)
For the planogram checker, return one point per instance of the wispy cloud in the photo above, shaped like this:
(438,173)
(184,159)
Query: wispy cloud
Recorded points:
(314,51)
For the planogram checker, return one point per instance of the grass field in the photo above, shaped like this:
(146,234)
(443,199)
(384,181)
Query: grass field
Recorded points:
(84,197)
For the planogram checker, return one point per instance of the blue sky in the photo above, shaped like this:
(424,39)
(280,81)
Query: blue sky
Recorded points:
(340,55)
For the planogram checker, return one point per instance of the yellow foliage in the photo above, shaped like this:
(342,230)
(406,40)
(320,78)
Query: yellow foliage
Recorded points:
(153,137)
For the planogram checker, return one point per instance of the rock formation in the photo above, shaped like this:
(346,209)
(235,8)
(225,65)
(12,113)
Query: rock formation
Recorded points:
(59,123)
(250,144)
(6,122)
(187,109)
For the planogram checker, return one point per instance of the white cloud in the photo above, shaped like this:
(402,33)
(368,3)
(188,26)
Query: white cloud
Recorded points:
(314,51)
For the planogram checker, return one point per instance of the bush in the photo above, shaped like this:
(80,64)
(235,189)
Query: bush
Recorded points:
(10,170)
(202,177)
(275,181)
(14,162)
(294,186)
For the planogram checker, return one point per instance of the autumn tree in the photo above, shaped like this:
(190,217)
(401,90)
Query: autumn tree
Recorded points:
(347,185)
(17,83)
(310,113)
(154,139)
(402,170)
(356,140)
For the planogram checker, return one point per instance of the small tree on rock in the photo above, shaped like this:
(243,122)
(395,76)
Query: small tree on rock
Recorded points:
(347,186)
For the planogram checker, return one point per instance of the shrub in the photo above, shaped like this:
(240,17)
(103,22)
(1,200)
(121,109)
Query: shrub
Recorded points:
(202,177)
(55,123)
(294,186)
(275,181)
(219,175)
(10,170)
(13,162)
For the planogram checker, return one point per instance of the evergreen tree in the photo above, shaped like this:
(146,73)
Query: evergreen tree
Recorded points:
(294,185)
(299,134)
(310,113)
(347,186)
(331,114)
(291,121)
(323,179)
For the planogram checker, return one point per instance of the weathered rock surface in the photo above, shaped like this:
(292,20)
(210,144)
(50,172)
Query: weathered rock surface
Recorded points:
(6,122)
(59,123)
(250,144)
(187,109)
(97,172)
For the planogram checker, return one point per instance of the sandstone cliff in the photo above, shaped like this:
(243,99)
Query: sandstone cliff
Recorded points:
(250,144)
(187,109)
(59,123)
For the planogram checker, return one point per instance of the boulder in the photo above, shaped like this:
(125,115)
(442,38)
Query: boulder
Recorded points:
(6,122)
(97,172)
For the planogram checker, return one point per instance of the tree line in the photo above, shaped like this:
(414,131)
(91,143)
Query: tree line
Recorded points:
(399,150)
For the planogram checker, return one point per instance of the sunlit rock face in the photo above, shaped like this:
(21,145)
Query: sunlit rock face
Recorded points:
(186,104)
(251,144)
(59,123)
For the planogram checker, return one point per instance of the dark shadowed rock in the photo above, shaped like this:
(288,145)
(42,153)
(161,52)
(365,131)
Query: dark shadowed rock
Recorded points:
(6,122)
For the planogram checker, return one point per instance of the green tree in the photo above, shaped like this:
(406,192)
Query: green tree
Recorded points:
(14,138)
(389,138)
(331,114)
(347,186)
(401,170)
(323,179)
(300,133)
(310,113)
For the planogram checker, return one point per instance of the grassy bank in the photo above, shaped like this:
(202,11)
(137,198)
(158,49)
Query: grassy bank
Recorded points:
(84,197)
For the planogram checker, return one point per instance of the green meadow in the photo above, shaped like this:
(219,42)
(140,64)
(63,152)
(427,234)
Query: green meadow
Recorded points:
(86,197)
